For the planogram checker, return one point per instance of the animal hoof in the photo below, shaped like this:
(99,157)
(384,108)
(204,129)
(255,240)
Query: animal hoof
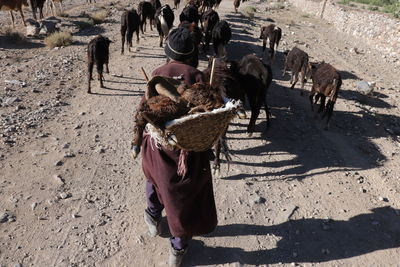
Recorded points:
(172,140)
(216,172)
(241,114)
(135,151)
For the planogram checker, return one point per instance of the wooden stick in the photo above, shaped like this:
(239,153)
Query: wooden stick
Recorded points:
(212,72)
(145,75)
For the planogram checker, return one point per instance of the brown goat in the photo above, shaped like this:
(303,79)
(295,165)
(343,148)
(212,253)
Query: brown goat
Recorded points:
(326,83)
(274,34)
(14,5)
(297,62)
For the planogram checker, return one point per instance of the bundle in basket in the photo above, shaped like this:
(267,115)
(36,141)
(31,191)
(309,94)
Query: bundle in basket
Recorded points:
(190,118)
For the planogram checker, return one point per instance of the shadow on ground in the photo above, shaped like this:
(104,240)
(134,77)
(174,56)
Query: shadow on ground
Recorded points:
(305,240)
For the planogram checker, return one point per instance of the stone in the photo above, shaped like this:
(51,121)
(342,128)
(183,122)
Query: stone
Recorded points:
(32,27)
(59,179)
(365,88)
(34,205)
(383,199)
(4,217)
(65,195)
(47,27)
(59,163)
(69,155)
(16,82)
(257,200)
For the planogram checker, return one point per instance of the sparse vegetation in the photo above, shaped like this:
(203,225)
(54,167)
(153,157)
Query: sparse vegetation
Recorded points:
(84,24)
(249,11)
(99,16)
(12,36)
(387,6)
(64,15)
(58,39)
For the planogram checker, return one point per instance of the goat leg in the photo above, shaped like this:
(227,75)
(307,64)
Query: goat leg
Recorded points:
(311,97)
(107,69)
(122,43)
(322,104)
(296,79)
(90,72)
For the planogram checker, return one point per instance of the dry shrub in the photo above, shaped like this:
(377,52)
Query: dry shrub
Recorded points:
(249,11)
(12,36)
(99,16)
(85,24)
(58,39)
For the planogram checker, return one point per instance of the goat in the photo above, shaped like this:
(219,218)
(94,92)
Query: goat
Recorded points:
(11,5)
(208,21)
(255,78)
(130,23)
(146,11)
(90,1)
(190,14)
(164,20)
(37,4)
(156,4)
(236,80)
(98,53)
(207,4)
(236,4)
(52,4)
(274,34)
(297,62)
(196,3)
(326,83)
(221,34)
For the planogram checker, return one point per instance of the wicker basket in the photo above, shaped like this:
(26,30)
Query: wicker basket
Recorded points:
(197,132)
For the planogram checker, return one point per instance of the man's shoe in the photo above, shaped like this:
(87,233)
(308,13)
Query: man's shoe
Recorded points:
(153,224)
(176,256)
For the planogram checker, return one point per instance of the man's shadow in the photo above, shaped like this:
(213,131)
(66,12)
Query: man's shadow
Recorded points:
(304,240)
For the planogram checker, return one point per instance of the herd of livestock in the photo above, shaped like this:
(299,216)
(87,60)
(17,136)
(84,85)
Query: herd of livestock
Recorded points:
(248,77)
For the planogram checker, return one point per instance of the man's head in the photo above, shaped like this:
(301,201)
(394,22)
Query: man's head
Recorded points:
(179,45)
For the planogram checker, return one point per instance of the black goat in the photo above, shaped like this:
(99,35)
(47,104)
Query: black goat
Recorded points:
(146,11)
(130,23)
(164,20)
(98,53)
(221,35)
(208,21)
(190,14)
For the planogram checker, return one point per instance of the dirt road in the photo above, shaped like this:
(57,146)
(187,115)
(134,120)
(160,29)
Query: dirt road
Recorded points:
(70,195)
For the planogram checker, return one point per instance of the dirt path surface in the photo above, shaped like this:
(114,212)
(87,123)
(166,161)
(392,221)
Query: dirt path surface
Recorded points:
(70,195)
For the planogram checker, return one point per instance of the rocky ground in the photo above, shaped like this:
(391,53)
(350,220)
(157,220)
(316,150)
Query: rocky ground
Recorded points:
(70,195)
